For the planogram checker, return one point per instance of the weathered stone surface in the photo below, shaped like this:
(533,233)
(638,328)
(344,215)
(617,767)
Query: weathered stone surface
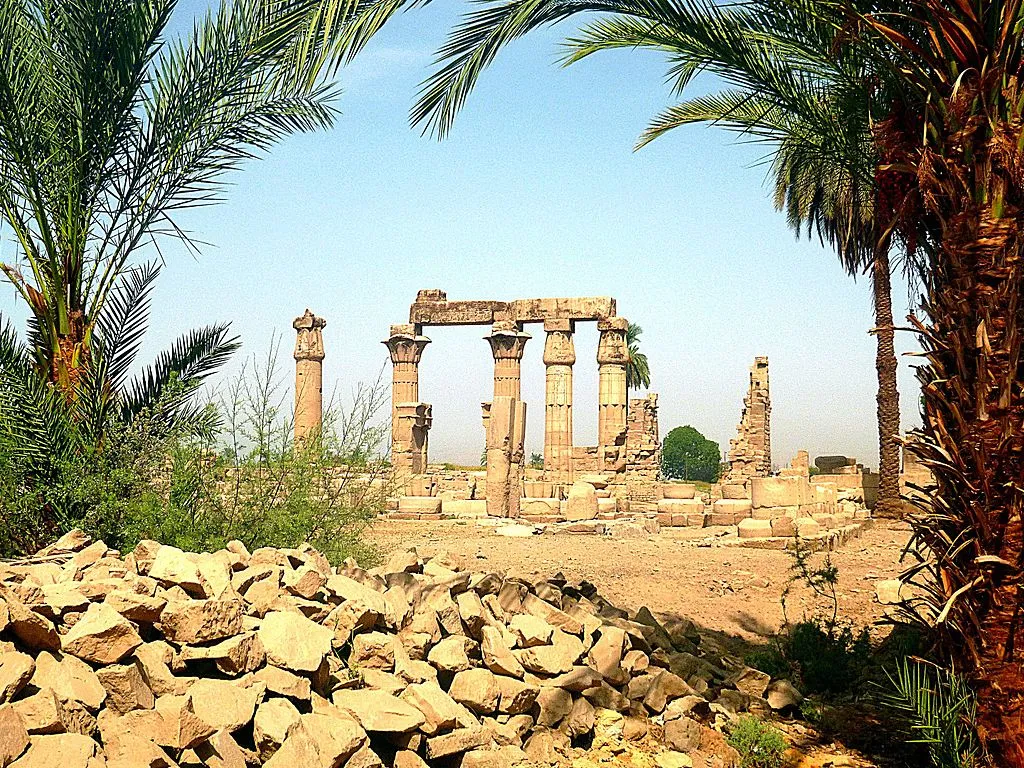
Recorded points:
(375,650)
(67,750)
(581,503)
(449,655)
(33,630)
(750,681)
(319,741)
(531,630)
(378,711)
(440,711)
(517,697)
(14,738)
(294,642)
(461,740)
(223,704)
(284,683)
(496,654)
(270,726)
(126,688)
(202,621)
(15,671)
(70,678)
(782,695)
(101,636)
(477,689)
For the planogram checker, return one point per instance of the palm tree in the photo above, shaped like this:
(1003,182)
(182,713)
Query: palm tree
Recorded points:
(108,131)
(638,372)
(922,101)
(820,188)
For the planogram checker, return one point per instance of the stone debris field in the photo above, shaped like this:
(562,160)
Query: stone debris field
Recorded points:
(161,658)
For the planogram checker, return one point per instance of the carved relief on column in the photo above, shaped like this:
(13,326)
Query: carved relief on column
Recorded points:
(612,356)
(410,419)
(559,357)
(309,357)
(508,341)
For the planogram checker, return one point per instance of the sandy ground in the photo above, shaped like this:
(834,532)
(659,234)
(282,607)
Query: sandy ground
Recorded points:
(731,590)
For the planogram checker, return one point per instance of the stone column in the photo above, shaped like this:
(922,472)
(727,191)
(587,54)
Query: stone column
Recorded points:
(559,357)
(309,376)
(505,424)
(508,341)
(612,356)
(410,419)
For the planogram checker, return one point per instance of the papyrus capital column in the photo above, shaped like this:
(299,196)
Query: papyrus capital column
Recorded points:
(309,357)
(612,357)
(559,357)
(410,419)
(508,342)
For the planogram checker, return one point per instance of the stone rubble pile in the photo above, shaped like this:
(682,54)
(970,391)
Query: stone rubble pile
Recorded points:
(166,658)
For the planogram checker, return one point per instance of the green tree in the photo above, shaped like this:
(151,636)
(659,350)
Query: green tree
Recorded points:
(638,372)
(687,455)
(536,461)
(922,100)
(110,128)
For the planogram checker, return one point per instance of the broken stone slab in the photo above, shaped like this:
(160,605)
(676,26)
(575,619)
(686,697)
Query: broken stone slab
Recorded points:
(581,503)
(14,739)
(319,741)
(440,711)
(67,750)
(782,696)
(270,725)
(497,656)
(293,642)
(126,688)
(477,689)
(223,704)
(201,621)
(378,711)
(16,670)
(461,740)
(70,678)
(752,682)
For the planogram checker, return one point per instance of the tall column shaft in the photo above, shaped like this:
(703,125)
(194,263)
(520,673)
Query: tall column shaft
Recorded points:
(612,356)
(309,357)
(559,357)
(507,345)
(410,419)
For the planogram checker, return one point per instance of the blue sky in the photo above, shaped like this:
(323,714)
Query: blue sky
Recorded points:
(537,192)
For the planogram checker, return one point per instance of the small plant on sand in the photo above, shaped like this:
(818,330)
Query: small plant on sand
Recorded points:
(759,744)
(830,653)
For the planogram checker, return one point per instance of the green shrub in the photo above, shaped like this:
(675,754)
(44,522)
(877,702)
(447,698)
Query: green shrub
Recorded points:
(831,656)
(770,659)
(759,744)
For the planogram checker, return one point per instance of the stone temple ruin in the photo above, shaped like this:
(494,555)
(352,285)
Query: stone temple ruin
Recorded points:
(626,460)
(614,487)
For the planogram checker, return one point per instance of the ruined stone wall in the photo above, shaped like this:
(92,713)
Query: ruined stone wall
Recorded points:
(643,450)
(750,452)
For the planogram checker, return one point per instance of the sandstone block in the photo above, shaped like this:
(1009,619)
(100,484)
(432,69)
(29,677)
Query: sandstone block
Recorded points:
(781,695)
(807,527)
(172,567)
(497,655)
(223,704)
(749,528)
(379,712)
(534,507)
(375,650)
(102,636)
(477,689)
(126,688)
(449,655)
(440,711)
(419,505)
(530,630)
(461,740)
(681,506)
(606,655)
(678,490)
(294,642)
(319,741)
(70,678)
(201,621)
(553,704)
(777,491)
(582,502)
(464,508)
(14,738)
(734,491)
(752,682)
(15,671)
(783,527)
(67,750)
(35,631)
(270,725)
(517,697)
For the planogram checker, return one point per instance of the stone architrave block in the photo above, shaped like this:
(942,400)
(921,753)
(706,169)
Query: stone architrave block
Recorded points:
(770,513)
(680,506)
(749,528)
(678,491)
(463,508)
(776,491)
(540,507)
(734,491)
(420,505)
(729,511)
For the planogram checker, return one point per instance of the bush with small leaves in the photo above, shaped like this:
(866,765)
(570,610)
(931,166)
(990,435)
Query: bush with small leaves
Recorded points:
(759,744)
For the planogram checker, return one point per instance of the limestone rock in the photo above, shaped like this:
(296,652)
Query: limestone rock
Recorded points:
(782,695)
(101,636)
(750,681)
(582,502)
(379,712)
(15,671)
(294,642)
(477,689)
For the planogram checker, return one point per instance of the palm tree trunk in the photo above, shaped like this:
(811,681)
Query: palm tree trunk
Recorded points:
(888,398)
(974,445)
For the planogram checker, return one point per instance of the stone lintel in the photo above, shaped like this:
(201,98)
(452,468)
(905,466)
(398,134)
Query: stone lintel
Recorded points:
(613,324)
(563,324)
(433,308)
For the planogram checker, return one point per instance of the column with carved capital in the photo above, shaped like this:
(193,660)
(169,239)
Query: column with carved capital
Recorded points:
(508,341)
(612,356)
(309,358)
(410,419)
(559,357)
